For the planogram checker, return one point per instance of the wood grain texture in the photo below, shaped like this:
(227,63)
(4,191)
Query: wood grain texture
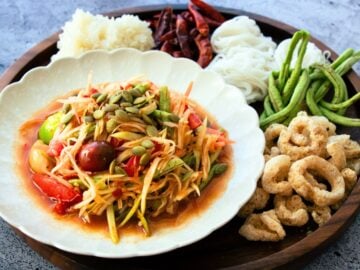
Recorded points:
(224,248)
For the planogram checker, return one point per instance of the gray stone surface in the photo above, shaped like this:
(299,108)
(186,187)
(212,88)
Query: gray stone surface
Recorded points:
(24,23)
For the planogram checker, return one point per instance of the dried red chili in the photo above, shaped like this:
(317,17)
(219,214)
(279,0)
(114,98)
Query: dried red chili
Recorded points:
(200,22)
(208,10)
(187,16)
(177,54)
(167,47)
(169,35)
(163,24)
(205,50)
(182,34)
(212,23)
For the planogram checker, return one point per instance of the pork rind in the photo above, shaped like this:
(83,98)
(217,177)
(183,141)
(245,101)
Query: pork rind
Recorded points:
(257,202)
(274,179)
(320,214)
(337,154)
(263,227)
(303,137)
(324,169)
(272,134)
(291,210)
(307,158)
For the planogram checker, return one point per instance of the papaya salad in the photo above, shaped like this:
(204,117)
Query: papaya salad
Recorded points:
(127,151)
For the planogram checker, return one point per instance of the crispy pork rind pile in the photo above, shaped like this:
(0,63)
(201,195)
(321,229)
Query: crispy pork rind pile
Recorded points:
(308,174)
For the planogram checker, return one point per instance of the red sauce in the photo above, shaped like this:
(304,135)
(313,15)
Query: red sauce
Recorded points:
(193,207)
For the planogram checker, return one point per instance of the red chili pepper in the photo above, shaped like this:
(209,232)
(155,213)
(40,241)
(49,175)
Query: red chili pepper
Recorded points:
(116,142)
(163,24)
(168,36)
(177,54)
(205,50)
(132,166)
(64,195)
(157,147)
(187,16)
(182,34)
(209,10)
(55,148)
(200,22)
(212,23)
(117,193)
(194,121)
(167,47)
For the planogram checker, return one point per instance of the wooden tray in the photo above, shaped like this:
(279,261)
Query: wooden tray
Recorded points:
(224,248)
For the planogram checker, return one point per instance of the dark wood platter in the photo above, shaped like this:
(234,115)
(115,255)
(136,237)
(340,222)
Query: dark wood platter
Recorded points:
(224,248)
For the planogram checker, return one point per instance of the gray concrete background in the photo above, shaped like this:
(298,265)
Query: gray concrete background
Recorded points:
(24,23)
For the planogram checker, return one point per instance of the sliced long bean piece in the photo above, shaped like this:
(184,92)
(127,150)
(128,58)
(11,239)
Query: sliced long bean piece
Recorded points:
(131,212)
(164,100)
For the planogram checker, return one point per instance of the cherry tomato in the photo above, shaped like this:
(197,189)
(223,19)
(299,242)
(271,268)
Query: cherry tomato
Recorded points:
(96,156)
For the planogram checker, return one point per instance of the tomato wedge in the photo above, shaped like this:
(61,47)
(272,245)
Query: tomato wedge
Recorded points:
(194,121)
(64,195)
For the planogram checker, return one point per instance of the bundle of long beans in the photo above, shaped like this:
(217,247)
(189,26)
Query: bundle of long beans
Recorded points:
(292,90)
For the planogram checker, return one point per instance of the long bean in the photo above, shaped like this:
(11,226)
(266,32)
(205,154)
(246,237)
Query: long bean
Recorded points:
(335,65)
(310,100)
(336,81)
(291,82)
(343,105)
(268,106)
(285,68)
(339,119)
(297,97)
(274,94)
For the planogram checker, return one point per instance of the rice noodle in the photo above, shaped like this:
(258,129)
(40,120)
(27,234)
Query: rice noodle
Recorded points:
(245,56)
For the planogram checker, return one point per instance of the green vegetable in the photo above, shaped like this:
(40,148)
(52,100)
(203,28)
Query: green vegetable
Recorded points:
(138,150)
(297,97)
(293,90)
(126,135)
(216,169)
(47,129)
(170,166)
(110,216)
(165,116)
(164,101)
(147,144)
(67,117)
(131,212)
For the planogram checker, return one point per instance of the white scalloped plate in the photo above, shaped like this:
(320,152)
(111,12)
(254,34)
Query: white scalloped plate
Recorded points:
(41,85)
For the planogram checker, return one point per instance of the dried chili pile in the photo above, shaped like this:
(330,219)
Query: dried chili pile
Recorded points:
(187,34)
